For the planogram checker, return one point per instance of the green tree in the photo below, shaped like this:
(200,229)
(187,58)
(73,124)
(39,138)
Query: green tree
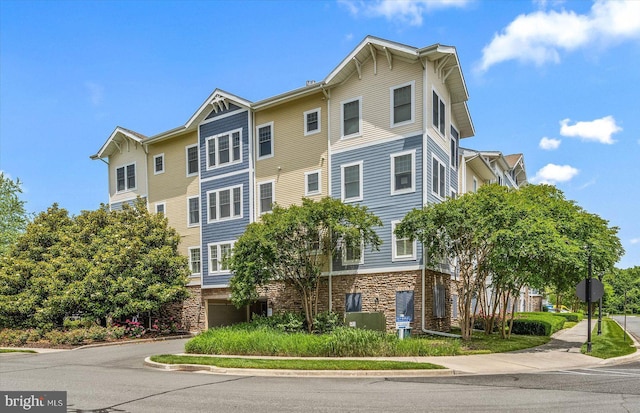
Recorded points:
(621,285)
(13,217)
(294,244)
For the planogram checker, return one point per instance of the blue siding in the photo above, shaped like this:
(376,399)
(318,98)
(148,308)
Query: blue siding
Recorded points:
(434,149)
(214,114)
(376,165)
(117,206)
(216,127)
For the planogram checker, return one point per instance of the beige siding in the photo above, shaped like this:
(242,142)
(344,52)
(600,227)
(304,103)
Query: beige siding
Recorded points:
(375,91)
(294,153)
(435,84)
(173,187)
(131,152)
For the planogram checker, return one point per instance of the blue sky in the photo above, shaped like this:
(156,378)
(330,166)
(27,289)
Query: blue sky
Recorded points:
(555,80)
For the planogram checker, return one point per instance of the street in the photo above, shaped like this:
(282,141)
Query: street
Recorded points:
(113,379)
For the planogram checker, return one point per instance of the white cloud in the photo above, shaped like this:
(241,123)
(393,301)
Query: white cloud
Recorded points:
(598,130)
(539,37)
(553,174)
(406,11)
(96,93)
(549,144)
(635,240)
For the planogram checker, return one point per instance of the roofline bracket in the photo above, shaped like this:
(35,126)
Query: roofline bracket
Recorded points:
(373,56)
(358,67)
(389,57)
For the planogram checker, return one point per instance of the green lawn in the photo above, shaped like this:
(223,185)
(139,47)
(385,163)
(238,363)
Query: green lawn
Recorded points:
(10,350)
(611,343)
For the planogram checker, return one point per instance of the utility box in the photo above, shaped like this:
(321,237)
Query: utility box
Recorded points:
(366,321)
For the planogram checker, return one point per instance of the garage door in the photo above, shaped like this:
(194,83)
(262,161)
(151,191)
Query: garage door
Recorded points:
(225,314)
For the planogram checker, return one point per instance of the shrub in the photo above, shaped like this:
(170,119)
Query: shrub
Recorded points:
(354,342)
(97,333)
(574,317)
(116,332)
(10,337)
(76,337)
(326,322)
(56,337)
(539,324)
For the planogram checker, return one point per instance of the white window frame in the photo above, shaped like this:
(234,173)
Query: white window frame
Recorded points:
(474,188)
(345,261)
(164,207)
(271,182)
(186,153)
(307,132)
(264,125)
(156,172)
(436,191)
(393,156)
(342,191)
(392,89)
(191,262)
(127,188)
(189,223)
(440,129)
(455,139)
(394,247)
(306,182)
(218,247)
(216,193)
(342,104)
(215,139)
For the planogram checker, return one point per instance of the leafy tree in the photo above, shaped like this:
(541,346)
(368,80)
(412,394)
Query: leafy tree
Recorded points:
(620,284)
(13,217)
(101,264)
(294,244)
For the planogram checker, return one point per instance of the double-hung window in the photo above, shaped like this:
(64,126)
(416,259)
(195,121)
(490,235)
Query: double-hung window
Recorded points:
(194,260)
(402,106)
(192,160)
(265,140)
(126,178)
(161,208)
(158,164)
(438,109)
(224,149)
(225,203)
(402,172)
(402,248)
(352,302)
(438,178)
(352,252)
(265,191)
(312,183)
(219,257)
(311,122)
(455,136)
(351,175)
(193,211)
(351,118)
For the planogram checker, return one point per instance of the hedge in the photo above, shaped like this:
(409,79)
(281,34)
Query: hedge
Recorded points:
(537,324)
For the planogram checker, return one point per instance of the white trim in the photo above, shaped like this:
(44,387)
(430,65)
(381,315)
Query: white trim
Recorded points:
(378,142)
(413,104)
(231,202)
(218,257)
(164,207)
(135,177)
(161,155)
(394,253)
(227,175)
(273,195)
(359,133)
(264,125)
(186,154)
(361,183)
(475,186)
(433,192)
(195,274)
(431,124)
(190,224)
(306,182)
(393,157)
(346,262)
(226,115)
(215,140)
(358,271)
(319,111)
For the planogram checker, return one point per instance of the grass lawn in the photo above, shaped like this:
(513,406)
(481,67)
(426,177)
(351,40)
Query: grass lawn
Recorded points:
(482,343)
(611,343)
(294,364)
(10,350)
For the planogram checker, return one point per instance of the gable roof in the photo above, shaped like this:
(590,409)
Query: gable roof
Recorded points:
(118,137)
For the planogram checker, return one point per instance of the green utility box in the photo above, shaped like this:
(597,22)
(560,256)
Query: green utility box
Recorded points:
(366,321)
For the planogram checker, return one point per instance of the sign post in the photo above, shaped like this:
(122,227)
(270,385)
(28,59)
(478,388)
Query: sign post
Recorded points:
(589,290)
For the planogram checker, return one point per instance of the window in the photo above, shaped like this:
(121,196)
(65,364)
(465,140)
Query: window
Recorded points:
(402,248)
(352,182)
(351,115)
(402,175)
(158,164)
(311,122)
(438,179)
(161,208)
(475,184)
(225,204)
(192,160)
(126,178)
(404,304)
(402,98)
(194,260)
(265,140)
(439,301)
(193,206)
(352,252)
(454,147)
(266,197)
(312,183)
(218,257)
(224,149)
(353,302)
(438,112)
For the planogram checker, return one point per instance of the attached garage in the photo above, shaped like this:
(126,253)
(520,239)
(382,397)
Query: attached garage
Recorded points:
(223,313)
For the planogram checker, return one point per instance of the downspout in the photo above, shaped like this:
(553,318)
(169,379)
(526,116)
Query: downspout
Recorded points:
(425,126)
(328,97)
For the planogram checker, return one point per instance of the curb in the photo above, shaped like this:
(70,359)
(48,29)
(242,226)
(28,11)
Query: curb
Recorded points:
(143,340)
(296,373)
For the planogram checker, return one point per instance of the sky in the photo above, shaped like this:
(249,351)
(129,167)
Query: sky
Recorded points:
(557,81)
